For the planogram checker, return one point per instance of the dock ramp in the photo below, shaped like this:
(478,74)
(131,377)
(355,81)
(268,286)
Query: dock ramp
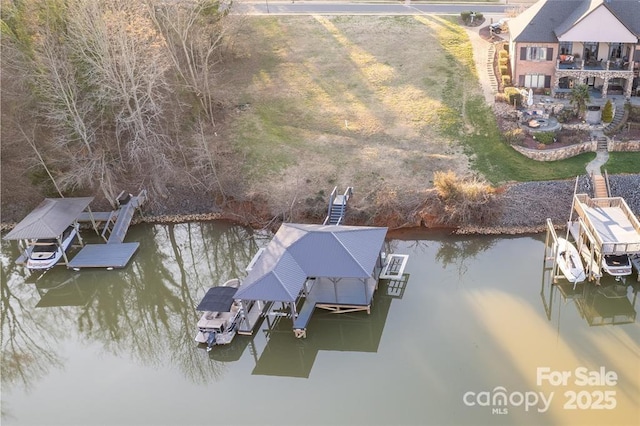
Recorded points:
(119,221)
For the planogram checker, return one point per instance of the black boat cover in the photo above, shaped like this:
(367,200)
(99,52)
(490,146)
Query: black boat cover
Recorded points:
(218,299)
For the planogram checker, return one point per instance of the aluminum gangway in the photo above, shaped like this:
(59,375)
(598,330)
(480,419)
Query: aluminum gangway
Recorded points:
(119,221)
(337,206)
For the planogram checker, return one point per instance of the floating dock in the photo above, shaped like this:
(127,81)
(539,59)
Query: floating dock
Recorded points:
(115,253)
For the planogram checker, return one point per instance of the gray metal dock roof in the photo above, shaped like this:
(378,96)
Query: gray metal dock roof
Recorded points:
(49,219)
(298,251)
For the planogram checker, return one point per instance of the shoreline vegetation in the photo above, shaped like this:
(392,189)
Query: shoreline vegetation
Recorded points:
(295,106)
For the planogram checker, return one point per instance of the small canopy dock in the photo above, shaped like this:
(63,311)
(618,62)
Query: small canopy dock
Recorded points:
(328,266)
(48,221)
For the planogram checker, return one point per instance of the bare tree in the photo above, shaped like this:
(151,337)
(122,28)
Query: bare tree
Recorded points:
(195,32)
(123,56)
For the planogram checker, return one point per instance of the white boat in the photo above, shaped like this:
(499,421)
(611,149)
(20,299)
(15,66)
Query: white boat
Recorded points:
(221,315)
(45,253)
(569,261)
(616,265)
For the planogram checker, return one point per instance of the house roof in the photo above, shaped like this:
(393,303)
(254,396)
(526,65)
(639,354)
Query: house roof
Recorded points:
(545,20)
(49,219)
(299,251)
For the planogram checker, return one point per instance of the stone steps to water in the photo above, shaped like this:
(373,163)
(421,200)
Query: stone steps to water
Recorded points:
(602,144)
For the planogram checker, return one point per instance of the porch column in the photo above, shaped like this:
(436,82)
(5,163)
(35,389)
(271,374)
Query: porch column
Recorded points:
(556,84)
(629,86)
(605,87)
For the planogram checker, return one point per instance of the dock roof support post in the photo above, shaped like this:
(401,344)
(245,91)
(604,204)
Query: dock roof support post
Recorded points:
(243,317)
(93,221)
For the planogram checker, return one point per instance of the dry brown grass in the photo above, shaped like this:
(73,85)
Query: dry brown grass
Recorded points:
(346,101)
(466,201)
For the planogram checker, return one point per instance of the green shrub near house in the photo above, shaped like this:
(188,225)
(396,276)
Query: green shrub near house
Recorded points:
(503,61)
(545,138)
(514,96)
(607,112)
(506,81)
(503,54)
(504,70)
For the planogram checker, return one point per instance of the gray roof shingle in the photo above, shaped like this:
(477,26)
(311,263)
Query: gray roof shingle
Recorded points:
(546,19)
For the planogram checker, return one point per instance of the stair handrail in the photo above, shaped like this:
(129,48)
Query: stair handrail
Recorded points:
(606,183)
(348,193)
(332,196)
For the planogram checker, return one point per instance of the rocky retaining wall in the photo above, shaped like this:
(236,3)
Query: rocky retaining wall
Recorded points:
(626,146)
(557,153)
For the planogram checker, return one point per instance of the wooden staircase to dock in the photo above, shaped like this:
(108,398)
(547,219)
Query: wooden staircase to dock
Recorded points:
(599,186)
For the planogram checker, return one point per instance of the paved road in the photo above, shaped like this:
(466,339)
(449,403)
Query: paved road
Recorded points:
(335,8)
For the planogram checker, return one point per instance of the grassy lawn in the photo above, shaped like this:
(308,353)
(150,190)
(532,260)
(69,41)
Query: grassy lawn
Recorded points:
(623,162)
(378,103)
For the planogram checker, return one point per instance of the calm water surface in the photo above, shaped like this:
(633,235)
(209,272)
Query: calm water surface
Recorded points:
(477,335)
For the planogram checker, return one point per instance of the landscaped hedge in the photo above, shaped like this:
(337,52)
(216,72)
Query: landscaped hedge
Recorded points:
(607,112)
(504,70)
(545,137)
(513,95)
(506,80)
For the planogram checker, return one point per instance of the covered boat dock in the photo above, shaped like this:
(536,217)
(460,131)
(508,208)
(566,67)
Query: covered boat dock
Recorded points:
(326,266)
(605,226)
(49,220)
(54,215)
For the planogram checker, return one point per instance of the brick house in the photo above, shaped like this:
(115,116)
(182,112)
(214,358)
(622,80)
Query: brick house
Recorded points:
(556,44)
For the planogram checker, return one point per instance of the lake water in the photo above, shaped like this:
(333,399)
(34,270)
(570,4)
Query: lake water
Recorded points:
(477,335)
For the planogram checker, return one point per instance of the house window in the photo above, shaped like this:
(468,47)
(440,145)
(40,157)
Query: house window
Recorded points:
(535,81)
(535,53)
(615,51)
(590,50)
(566,48)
